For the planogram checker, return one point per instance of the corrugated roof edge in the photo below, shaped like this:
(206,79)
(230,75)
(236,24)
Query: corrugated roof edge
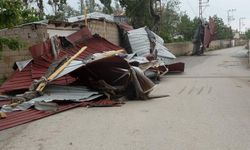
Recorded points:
(41,22)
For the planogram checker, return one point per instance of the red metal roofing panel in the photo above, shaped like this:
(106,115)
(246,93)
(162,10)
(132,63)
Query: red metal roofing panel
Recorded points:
(18,80)
(21,117)
(125,26)
(42,58)
(79,36)
(4,102)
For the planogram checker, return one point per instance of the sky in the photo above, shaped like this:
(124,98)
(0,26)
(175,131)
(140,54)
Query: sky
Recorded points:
(216,7)
(220,7)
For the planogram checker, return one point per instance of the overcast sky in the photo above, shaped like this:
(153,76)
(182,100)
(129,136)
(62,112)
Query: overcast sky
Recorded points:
(218,7)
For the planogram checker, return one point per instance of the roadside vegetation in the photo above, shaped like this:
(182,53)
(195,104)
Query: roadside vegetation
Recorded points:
(167,20)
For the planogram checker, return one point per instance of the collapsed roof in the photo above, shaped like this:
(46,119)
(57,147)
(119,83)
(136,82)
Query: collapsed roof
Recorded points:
(93,15)
(43,56)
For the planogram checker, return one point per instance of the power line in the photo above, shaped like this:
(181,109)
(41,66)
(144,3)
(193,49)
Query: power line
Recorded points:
(230,16)
(192,9)
(202,6)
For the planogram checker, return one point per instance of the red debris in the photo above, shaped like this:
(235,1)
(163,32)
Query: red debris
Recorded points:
(21,117)
(176,67)
(43,57)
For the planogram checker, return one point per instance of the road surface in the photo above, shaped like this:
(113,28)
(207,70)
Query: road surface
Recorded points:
(208,109)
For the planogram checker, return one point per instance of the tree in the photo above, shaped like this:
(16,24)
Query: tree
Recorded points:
(10,13)
(57,6)
(39,3)
(222,31)
(142,13)
(117,8)
(247,34)
(14,12)
(186,27)
(169,20)
(107,6)
(69,11)
(66,12)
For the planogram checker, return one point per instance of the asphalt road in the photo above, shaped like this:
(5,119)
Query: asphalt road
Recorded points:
(208,109)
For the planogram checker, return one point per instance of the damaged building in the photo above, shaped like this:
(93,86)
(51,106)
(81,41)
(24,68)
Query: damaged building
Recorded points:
(83,67)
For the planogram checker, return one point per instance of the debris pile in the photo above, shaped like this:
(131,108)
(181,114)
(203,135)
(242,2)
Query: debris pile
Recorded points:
(84,70)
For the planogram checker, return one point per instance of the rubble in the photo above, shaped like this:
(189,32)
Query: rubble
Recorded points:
(84,70)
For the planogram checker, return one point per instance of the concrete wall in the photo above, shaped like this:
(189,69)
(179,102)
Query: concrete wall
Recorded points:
(29,35)
(184,48)
(248,47)
(240,42)
(53,30)
(180,48)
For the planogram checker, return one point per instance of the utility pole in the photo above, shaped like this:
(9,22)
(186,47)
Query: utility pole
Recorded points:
(202,6)
(82,7)
(230,17)
(240,23)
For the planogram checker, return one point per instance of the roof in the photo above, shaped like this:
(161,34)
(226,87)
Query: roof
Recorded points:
(21,117)
(43,57)
(140,41)
(94,15)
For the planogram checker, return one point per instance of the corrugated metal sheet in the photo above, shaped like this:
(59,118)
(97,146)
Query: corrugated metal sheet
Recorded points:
(22,64)
(140,45)
(4,102)
(43,57)
(75,64)
(21,117)
(59,93)
(139,41)
(68,93)
(94,15)
(21,80)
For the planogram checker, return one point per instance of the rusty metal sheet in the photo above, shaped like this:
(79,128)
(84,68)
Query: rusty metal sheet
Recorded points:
(43,57)
(21,117)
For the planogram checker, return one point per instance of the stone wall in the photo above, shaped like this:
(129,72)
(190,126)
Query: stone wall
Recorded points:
(29,35)
(107,30)
(32,34)
(53,30)
(184,48)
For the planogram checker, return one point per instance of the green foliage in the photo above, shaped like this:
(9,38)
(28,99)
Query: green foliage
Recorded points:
(11,43)
(10,13)
(57,6)
(29,15)
(107,6)
(13,12)
(247,34)
(138,11)
(186,27)
(66,12)
(169,20)
(38,3)
(222,31)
